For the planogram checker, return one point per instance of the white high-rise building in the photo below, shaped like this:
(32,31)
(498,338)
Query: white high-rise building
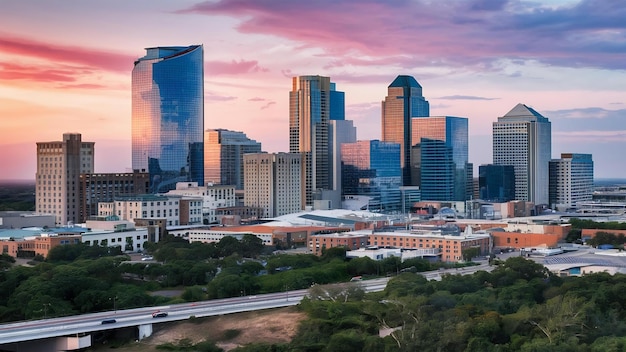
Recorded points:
(59,165)
(273,182)
(523,138)
(571,180)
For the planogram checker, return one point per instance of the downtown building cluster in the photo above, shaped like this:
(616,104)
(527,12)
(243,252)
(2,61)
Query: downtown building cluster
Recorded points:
(418,158)
(186,176)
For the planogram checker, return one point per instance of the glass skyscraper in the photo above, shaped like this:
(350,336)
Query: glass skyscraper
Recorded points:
(372,168)
(404,101)
(496,183)
(440,157)
(523,138)
(168,116)
(313,102)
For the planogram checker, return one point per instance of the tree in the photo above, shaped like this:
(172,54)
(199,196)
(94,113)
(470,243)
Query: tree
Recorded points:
(469,253)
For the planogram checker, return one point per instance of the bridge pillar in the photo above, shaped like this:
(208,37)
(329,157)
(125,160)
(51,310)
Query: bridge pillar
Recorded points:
(145,330)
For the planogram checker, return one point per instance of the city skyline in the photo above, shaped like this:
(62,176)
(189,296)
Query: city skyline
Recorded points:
(64,69)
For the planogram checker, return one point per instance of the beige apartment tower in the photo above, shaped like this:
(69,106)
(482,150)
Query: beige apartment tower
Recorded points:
(273,182)
(59,166)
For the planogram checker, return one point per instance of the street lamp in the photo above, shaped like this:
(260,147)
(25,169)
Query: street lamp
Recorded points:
(45,310)
(114,304)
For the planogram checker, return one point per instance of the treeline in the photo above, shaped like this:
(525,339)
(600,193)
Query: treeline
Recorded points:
(78,279)
(519,306)
(590,224)
(17,196)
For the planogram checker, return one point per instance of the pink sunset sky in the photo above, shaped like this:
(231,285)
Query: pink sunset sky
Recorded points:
(65,66)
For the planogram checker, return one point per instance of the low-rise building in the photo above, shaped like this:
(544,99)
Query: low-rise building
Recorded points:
(213,197)
(175,209)
(20,219)
(28,243)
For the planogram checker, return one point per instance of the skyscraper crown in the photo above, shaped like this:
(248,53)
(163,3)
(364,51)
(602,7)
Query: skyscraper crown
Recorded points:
(405,81)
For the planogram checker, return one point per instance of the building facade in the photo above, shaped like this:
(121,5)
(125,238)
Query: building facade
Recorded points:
(59,166)
(168,116)
(496,183)
(313,102)
(95,188)
(571,180)
(223,156)
(440,157)
(213,197)
(403,102)
(341,131)
(176,210)
(372,169)
(273,182)
(523,138)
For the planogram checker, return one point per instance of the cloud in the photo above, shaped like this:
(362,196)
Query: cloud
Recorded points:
(90,58)
(591,136)
(465,97)
(10,71)
(211,97)
(256,99)
(587,33)
(268,105)
(233,67)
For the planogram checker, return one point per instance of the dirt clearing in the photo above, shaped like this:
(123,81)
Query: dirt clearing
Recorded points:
(227,331)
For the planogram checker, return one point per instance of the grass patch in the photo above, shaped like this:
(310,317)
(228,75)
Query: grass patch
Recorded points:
(231,334)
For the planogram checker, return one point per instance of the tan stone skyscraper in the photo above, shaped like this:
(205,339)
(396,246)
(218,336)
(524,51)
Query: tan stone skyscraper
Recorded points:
(59,165)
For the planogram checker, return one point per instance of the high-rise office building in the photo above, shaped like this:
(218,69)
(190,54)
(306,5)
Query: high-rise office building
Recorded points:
(223,156)
(59,166)
(372,169)
(272,182)
(571,180)
(313,102)
(496,183)
(523,138)
(440,158)
(403,102)
(168,116)
(340,131)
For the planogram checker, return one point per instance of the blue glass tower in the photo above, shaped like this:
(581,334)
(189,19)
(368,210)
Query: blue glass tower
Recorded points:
(168,116)
(440,157)
(372,168)
(496,183)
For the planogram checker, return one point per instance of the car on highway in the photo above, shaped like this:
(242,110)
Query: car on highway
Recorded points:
(159,314)
(108,321)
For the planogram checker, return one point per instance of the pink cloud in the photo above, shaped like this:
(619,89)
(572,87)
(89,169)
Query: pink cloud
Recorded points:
(472,33)
(233,67)
(9,72)
(95,59)
(257,99)
(211,97)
